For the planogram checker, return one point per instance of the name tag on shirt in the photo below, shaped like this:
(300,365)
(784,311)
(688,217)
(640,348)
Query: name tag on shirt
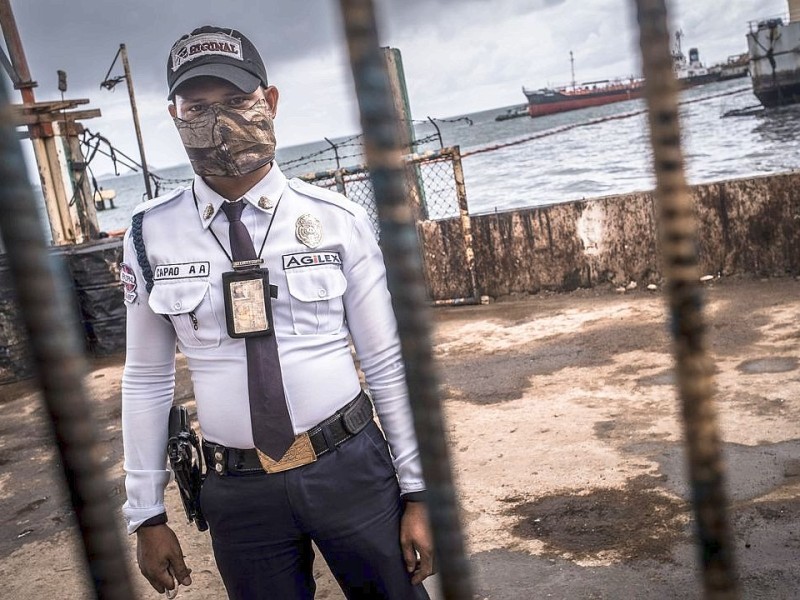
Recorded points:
(310,259)
(181,270)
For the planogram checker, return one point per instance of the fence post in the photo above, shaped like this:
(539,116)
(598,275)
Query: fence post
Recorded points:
(466,221)
(338,177)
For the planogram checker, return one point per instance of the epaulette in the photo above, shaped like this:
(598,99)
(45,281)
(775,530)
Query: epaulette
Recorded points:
(137,237)
(147,205)
(315,191)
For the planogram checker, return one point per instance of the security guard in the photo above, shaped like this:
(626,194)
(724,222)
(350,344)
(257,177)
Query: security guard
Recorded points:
(261,282)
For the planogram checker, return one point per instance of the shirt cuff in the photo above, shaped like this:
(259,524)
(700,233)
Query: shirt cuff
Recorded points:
(420,496)
(153,521)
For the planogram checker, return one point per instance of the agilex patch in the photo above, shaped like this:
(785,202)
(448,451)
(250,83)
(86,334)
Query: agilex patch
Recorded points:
(310,259)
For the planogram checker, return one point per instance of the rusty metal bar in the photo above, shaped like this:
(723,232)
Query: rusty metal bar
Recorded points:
(43,296)
(406,284)
(693,364)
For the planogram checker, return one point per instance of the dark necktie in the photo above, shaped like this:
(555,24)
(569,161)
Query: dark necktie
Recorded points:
(272,427)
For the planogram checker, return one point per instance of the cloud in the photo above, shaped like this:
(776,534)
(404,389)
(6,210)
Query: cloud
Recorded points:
(82,36)
(459,55)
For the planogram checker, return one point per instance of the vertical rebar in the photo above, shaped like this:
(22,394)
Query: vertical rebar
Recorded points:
(43,295)
(438,132)
(335,152)
(693,364)
(406,284)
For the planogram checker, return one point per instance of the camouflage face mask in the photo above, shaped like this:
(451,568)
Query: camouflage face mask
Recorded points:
(228,142)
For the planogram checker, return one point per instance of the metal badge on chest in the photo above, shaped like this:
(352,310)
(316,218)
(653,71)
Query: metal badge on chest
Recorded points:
(308,230)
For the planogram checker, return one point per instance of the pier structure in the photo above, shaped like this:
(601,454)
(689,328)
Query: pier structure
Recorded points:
(74,238)
(53,128)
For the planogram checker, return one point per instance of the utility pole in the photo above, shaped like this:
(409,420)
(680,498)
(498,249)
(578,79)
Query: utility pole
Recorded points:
(399,93)
(129,82)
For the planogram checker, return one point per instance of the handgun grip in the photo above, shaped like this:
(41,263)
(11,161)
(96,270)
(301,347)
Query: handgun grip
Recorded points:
(178,420)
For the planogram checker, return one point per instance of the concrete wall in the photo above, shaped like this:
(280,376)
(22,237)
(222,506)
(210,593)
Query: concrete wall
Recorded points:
(746,226)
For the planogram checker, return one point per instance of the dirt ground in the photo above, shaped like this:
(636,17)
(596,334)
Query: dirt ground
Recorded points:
(566,443)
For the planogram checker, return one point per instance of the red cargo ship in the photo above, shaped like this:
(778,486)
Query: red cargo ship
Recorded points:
(547,101)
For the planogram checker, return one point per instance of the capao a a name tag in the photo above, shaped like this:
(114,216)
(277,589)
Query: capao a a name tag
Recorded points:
(248,309)
(181,270)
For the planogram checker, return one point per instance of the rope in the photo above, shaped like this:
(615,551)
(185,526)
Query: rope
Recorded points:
(92,141)
(138,246)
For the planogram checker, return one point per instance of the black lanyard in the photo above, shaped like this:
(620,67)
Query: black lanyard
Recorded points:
(263,243)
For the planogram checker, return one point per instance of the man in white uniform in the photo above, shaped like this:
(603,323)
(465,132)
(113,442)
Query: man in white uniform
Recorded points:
(259,280)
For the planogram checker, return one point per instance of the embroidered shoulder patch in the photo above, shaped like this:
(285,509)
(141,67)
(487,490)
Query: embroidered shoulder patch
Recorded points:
(128,279)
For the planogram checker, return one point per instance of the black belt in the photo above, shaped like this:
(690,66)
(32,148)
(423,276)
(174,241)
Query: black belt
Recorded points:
(336,429)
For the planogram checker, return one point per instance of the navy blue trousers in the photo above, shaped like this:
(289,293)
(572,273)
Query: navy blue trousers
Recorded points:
(347,502)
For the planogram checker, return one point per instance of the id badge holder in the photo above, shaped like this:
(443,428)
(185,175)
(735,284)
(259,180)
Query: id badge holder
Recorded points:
(248,309)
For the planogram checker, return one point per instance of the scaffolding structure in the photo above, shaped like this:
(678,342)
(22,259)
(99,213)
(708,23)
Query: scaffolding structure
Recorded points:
(53,128)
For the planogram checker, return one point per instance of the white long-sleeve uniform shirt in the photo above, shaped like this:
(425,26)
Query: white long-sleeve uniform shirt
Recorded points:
(324,294)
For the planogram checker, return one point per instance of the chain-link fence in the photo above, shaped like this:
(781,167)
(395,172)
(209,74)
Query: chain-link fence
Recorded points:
(431,184)
(437,193)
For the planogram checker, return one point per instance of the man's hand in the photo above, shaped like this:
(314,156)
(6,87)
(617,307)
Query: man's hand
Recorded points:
(415,537)
(160,557)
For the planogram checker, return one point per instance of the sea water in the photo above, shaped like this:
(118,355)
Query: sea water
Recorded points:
(592,160)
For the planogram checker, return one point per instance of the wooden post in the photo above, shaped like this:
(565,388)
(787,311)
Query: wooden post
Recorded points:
(83,210)
(41,152)
(794,11)
(129,82)
(56,195)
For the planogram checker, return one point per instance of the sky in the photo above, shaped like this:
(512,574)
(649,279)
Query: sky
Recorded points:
(459,56)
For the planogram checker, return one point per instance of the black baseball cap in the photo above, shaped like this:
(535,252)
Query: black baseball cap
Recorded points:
(215,52)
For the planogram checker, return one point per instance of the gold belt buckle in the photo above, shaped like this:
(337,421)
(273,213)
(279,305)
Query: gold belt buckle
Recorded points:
(300,453)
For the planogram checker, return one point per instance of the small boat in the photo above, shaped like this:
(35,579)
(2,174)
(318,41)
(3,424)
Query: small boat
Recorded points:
(102,196)
(736,66)
(513,113)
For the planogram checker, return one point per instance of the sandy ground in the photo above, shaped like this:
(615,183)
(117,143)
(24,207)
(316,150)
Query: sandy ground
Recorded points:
(566,443)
